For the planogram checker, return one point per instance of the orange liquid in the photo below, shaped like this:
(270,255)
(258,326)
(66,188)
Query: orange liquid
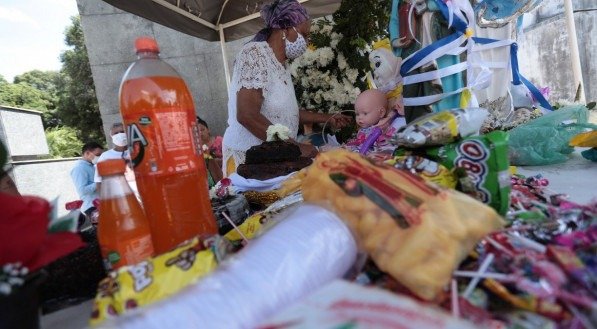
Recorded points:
(123,232)
(169,168)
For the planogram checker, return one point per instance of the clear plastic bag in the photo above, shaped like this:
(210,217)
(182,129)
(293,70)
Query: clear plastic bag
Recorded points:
(545,140)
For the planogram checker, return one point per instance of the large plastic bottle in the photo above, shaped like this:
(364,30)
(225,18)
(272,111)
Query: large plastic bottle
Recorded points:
(123,230)
(159,115)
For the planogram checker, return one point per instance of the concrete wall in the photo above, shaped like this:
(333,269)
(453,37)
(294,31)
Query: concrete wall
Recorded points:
(22,133)
(109,36)
(544,55)
(48,179)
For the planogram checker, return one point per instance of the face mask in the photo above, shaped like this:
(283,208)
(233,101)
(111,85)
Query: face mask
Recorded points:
(119,139)
(95,159)
(296,48)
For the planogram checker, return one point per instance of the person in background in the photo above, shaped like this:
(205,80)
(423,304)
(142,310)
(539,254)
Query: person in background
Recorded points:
(83,174)
(261,92)
(214,144)
(120,151)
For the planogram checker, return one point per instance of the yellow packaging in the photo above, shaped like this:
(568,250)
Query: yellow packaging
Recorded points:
(429,170)
(249,227)
(154,279)
(413,231)
(586,139)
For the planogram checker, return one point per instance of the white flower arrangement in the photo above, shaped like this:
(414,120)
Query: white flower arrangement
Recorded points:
(322,77)
(277,132)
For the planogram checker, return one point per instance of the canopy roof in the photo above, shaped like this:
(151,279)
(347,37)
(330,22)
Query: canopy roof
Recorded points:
(206,19)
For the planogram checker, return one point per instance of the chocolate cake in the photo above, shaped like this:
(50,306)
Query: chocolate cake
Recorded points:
(272,159)
(275,151)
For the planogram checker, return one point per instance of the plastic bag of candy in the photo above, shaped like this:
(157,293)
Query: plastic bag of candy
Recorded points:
(442,127)
(416,232)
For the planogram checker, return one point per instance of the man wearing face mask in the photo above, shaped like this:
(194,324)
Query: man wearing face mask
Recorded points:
(83,174)
(261,91)
(120,151)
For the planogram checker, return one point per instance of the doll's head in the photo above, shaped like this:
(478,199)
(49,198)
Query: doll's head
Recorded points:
(370,107)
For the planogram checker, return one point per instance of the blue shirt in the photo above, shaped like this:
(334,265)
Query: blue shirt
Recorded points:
(82,175)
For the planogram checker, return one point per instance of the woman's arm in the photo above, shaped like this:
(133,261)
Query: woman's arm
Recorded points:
(335,121)
(248,112)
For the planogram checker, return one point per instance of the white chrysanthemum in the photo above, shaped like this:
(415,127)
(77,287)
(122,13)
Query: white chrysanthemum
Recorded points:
(326,55)
(326,29)
(352,75)
(335,38)
(277,132)
(342,64)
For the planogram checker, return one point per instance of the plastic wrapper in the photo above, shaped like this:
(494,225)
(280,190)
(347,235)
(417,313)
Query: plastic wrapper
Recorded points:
(415,232)
(260,221)
(442,127)
(157,278)
(429,170)
(586,139)
(485,160)
(348,305)
(308,249)
(545,140)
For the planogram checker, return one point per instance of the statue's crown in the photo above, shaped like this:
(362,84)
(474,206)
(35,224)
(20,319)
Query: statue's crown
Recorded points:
(383,43)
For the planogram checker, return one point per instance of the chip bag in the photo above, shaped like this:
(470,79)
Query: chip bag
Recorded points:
(429,170)
(154,279)
(442,127)
(485,160)
(415,232)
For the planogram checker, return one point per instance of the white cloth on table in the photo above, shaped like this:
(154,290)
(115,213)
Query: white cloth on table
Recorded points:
(242,184)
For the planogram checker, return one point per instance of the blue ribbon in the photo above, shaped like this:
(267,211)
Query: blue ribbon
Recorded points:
(457,23)
(424,52)
(517,78)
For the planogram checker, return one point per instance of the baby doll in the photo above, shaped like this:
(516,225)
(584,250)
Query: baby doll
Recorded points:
(377,123)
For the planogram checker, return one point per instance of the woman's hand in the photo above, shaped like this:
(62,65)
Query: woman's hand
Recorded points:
(307,150)
(339,121)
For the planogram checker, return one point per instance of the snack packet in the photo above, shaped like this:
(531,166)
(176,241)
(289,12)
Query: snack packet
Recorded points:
(154,279)
(485,160)
(415,232)
(429,170)
(442,127)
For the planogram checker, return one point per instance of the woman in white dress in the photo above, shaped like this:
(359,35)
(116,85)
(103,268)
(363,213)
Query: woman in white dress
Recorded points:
(261,92)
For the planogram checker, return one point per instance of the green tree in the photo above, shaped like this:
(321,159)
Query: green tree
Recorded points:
(63,142)
(77,103)
(361,22)
(24,96)
(47,83)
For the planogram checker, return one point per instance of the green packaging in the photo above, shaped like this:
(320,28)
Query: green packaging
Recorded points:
(485,160)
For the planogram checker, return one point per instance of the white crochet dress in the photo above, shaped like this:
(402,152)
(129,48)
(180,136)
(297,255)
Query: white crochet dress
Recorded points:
(256,67)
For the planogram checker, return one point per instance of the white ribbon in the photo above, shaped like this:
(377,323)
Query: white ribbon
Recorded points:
(481,81)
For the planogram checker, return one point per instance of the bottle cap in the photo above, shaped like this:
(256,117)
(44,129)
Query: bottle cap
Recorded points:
(146,44)
(111,167)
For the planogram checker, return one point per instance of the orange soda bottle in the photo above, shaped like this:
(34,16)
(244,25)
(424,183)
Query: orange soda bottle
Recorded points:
(164,143)
(123,230)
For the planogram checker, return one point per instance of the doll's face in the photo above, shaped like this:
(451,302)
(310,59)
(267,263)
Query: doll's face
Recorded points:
(368,116)
(370,107)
